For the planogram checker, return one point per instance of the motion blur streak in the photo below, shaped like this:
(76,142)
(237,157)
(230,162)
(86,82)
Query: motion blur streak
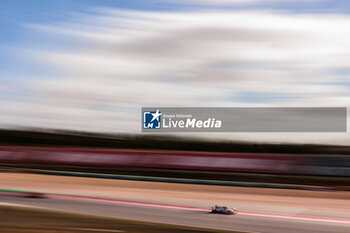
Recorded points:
(201,209)
(98,68)
(76,74)
(184,217)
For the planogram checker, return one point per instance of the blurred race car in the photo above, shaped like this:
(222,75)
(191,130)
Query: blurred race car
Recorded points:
(223,210)
(35,195)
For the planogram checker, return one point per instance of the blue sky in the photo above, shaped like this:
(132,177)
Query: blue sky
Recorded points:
(82,64)
(15,14)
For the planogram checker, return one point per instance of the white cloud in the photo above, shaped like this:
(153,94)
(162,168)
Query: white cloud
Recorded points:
(124,60)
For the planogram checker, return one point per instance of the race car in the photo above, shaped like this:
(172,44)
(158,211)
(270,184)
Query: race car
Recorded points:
(35,195)
(223,210)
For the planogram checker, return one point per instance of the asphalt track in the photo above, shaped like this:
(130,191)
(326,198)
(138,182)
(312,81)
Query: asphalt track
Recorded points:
(179,215)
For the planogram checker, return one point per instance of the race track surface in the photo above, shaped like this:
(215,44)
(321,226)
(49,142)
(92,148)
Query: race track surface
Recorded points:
(177,216)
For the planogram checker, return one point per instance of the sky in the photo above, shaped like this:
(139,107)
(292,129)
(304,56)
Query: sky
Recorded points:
(92,64)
